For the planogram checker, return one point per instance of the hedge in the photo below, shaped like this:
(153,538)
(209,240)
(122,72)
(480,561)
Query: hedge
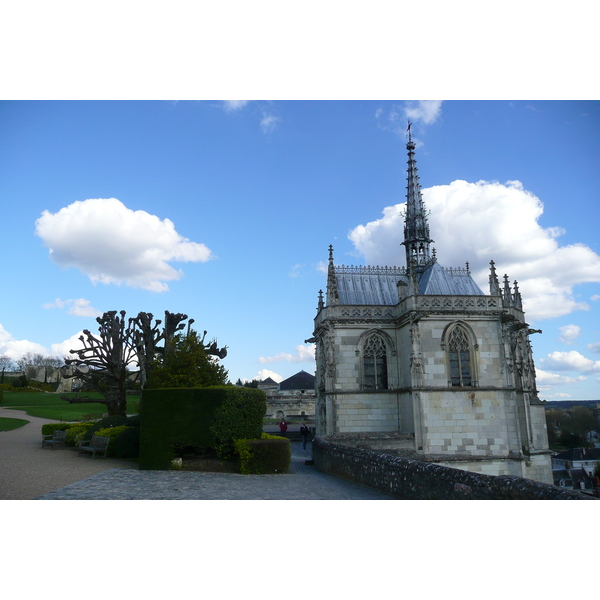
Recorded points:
(50,428)
(270,454)
(111,421)
(199,418)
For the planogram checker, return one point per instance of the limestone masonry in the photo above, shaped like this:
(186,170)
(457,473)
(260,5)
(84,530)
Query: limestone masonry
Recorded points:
(421,359)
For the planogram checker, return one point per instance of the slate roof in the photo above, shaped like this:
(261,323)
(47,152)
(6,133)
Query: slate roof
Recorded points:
(437,280)
(558,474)
(579,454)
(368,285)
(299,381)
(377,286)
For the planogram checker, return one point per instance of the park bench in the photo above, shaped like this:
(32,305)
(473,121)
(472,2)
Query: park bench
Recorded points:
(97,445)
(58,437)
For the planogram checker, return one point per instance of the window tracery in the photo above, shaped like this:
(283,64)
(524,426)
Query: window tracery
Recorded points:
(459,358)
(375,376)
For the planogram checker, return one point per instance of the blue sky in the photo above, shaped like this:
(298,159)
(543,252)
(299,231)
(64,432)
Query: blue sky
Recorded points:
(225,210)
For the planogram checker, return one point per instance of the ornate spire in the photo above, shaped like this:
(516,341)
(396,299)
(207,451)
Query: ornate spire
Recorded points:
(518,301)
(507,293)
(332,292)
(494,283)
(416,228)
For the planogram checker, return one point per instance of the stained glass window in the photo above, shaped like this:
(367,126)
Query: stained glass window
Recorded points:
(375,364)
(459,358)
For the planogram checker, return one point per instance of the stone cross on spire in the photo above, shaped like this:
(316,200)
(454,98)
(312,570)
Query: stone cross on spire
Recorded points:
(416,228)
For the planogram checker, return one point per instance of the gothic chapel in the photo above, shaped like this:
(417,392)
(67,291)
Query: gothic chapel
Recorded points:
(421,360)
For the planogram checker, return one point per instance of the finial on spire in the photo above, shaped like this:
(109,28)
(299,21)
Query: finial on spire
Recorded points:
(507,294)
(321,303)
(332,293)
(494,283)
(517,296)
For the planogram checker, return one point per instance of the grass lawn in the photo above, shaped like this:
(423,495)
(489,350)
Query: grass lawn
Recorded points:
(50,406)
(7,424)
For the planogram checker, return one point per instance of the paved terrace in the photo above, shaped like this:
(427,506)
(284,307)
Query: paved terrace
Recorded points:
(28,472)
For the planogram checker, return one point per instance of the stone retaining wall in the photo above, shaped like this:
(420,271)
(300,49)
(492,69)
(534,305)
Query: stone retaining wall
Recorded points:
(415,480)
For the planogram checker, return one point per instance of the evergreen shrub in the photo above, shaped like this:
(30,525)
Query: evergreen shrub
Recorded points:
(239,416)
(201,418)
(75,433)
(112,433)
(20,381)
(1,396)
(127,443)
(270,454)
(50,428)
(110,421)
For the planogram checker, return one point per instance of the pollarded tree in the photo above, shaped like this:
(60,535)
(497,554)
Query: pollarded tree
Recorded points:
(190,362)
(6,363)
(123,352)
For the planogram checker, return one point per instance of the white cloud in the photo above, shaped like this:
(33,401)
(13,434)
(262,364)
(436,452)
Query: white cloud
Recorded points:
(15,349)
(545,380)
(420,113)
(265,373)
(426,111)
(322,267)
(79,308)
(295,271)
(595,297)
(595,347)
(302,354)
(233,105)
(569,333)
(112,244)
(269,122)
(63,348)
(570,361)
(476,222)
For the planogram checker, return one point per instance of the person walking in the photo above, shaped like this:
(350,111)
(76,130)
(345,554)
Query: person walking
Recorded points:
(282,426)
(304,433)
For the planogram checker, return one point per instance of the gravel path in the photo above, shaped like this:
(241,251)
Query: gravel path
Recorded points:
(29,472)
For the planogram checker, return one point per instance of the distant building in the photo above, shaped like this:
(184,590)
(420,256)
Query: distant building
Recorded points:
(575,468)
(293,397)
(420,359)
(577,458)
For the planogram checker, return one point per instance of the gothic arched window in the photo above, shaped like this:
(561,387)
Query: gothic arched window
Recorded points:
(375,364)
(459,358)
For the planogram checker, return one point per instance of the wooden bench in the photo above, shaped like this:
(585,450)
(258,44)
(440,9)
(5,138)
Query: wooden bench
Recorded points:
(97,445)
(58,437)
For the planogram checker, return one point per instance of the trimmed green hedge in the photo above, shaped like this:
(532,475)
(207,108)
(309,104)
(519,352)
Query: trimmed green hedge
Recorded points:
(111,421)
(75,431)
(50,428)
(239,416)
(202,418)
(127,444)
(270,454)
